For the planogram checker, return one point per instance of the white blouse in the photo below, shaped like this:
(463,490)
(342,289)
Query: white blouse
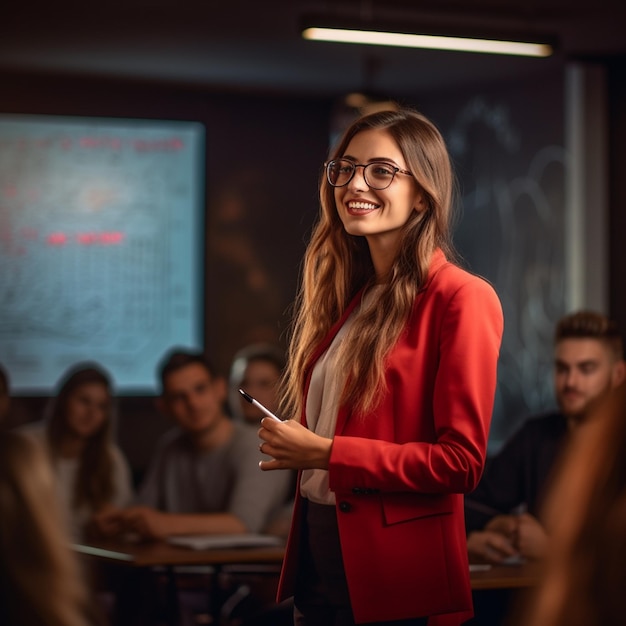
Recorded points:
(322,404)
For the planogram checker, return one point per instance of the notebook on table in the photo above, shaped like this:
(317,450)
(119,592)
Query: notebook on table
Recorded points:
(206,542)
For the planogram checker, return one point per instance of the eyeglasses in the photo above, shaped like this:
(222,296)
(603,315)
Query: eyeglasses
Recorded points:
(378,175)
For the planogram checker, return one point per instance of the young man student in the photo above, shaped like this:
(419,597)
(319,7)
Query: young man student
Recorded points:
(205,476)
(502,513)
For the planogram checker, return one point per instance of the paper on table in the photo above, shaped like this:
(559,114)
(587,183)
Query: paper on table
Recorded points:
(206,542)
(479,567)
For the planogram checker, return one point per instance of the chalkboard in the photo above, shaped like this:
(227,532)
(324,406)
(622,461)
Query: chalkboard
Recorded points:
(507,144)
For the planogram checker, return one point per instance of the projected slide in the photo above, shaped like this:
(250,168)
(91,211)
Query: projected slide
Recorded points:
(100,246)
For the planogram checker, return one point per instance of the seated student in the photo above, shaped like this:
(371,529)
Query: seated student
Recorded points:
(588,364)
(584,576)
(92,472)
(205,476)
(257,369)
(40,581)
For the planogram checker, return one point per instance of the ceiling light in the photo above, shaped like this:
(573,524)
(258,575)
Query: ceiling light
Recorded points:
(430,41)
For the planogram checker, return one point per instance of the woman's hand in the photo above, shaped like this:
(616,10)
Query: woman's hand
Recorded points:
(292,446)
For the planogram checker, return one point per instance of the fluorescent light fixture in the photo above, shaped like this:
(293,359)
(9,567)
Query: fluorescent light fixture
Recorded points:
(433,42)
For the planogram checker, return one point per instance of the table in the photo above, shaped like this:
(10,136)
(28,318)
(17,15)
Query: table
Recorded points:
(506,577)
(161,553)
(167,556)
(499,591)
(164,555)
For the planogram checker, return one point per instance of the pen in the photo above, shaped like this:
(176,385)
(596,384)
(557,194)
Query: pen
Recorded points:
(257,404)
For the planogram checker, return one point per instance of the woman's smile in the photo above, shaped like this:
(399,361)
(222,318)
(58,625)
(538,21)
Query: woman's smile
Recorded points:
(361,207)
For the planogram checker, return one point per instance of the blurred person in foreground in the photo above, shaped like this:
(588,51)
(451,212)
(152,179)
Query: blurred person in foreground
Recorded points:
(40,580)
(584,575)
(502,514)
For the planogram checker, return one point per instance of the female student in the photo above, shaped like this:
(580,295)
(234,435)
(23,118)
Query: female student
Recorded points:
(40,581)
(391,379)
(92,473)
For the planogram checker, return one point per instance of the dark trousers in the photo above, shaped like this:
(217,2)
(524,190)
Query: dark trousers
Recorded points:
(321,597)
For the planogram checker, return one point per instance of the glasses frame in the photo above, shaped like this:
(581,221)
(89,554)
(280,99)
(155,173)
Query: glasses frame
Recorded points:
(396,170)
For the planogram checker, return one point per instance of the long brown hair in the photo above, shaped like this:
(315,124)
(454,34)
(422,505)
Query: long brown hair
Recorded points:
(336,265)
(40,582)
(94,479)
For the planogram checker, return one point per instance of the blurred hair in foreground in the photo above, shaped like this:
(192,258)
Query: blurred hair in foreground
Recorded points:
(40,582)
(584,579)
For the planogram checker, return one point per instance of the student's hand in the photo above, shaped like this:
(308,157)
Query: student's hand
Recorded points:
(107,522)
(292,446)
(532,539)
(489,546)
(504,525)
(146,522)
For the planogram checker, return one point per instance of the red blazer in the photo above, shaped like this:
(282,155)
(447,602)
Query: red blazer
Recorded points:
(399,475)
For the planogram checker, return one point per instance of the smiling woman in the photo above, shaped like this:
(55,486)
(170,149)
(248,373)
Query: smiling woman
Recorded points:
(389,424)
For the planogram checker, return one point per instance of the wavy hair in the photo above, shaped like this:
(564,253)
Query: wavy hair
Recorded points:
(94,480)
(40,582)
(336,265)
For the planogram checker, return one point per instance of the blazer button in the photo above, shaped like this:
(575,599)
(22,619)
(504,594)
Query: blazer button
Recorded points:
(345,507)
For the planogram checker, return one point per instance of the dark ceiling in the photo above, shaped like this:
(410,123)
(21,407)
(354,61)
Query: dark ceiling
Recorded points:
(257,45)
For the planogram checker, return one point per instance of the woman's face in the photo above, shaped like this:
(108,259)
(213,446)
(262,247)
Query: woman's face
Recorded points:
(377,214)
(87,409)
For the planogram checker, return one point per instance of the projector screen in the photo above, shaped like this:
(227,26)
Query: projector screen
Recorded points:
(101,246)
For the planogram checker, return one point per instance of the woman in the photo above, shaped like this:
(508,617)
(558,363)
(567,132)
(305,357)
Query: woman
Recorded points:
(391,378)
(40,582)
(92,473)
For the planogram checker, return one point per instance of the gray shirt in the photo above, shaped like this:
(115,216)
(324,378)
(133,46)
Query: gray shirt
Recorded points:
(182,479)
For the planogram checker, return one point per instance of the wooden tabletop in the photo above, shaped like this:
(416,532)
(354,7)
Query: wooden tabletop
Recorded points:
(154,553)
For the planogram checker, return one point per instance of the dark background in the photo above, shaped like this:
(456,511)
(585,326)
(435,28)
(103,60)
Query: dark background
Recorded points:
(269,106)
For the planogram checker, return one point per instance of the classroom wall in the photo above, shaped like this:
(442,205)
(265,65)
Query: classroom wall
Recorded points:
(507,143)
(264,153)
(256,220)
(617,188)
